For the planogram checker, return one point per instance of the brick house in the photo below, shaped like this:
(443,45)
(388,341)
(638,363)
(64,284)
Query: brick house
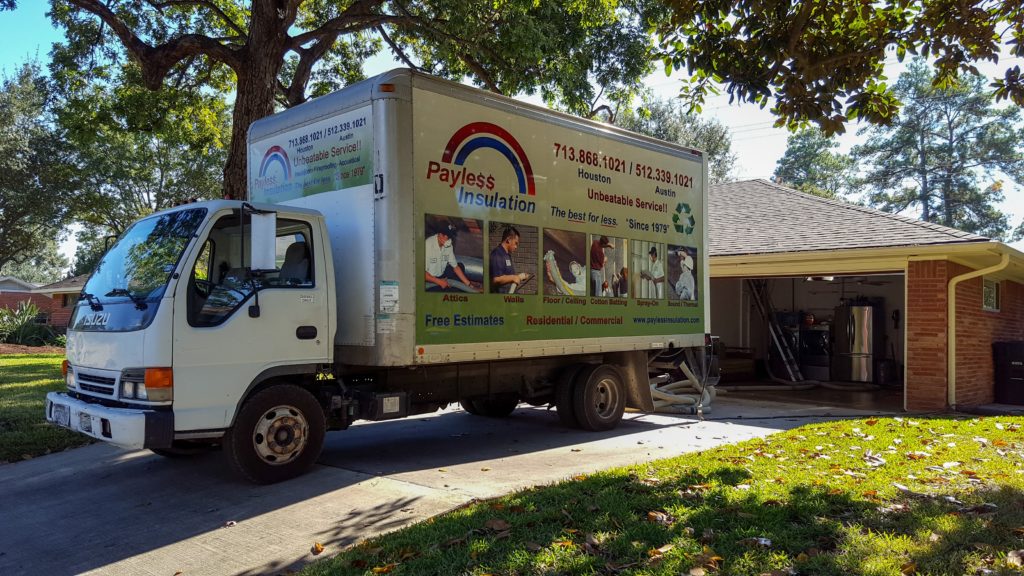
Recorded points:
(14,291)
(62,297)
(945,295)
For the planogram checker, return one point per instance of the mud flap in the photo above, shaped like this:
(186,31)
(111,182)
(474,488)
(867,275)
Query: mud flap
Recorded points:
(633,366)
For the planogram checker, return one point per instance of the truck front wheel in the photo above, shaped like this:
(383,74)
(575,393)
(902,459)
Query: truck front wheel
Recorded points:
(278,434)
(599,397)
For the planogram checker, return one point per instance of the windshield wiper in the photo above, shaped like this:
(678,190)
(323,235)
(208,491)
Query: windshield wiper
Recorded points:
(139,301)
(93,301)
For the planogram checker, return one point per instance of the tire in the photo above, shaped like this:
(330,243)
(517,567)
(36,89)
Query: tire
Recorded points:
(599,398)
(495,406)
(293,418)
(183,449)
(468,406)
(564,389)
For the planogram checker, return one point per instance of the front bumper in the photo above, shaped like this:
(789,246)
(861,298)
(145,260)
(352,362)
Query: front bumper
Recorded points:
(125,427)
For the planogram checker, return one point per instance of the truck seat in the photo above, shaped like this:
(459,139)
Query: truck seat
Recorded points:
(295,269)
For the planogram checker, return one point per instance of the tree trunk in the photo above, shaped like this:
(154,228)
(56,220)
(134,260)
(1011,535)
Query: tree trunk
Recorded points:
(254,100)
(261,61)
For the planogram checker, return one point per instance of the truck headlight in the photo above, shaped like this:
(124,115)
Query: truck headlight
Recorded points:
(149,384)
(69,379)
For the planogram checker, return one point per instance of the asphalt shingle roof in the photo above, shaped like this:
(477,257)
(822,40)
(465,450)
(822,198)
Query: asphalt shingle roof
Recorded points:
(761,217)
(73,284)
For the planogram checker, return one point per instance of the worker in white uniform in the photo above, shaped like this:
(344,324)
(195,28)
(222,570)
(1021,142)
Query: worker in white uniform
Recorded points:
(685,285)
(444,272)
(656,275)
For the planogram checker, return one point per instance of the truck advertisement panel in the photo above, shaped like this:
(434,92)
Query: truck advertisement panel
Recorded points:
(534,229)
(331,154)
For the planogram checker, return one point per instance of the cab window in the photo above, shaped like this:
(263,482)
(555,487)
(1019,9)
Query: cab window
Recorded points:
(220,282)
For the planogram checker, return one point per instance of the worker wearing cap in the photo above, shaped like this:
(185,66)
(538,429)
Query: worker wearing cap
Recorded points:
(597,261)
(656,274)
(504,279)
(685,285)
(442,265)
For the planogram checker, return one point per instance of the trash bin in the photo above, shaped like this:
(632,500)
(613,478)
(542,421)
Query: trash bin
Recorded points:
(1008,366)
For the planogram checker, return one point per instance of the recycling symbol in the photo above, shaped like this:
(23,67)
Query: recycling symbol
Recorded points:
(683,219)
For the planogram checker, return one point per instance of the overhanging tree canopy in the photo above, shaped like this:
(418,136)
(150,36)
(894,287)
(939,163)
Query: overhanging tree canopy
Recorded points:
(823,60)
(281,51)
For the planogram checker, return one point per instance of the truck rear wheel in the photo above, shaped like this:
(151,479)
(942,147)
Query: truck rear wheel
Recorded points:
(599,398)
(564,390)
(498,406)
(278,434)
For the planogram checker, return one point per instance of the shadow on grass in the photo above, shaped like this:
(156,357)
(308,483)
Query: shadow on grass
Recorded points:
(619,523)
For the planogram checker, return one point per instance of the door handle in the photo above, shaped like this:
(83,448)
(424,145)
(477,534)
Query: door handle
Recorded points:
(305,332)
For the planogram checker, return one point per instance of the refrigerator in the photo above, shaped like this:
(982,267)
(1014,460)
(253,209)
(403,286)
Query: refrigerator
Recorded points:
(855,340)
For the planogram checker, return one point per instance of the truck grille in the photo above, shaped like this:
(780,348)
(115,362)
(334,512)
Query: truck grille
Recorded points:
(96,384)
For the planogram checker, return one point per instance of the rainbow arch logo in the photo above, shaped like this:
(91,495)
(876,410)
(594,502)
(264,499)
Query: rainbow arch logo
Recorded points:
(276,155)
(477,135)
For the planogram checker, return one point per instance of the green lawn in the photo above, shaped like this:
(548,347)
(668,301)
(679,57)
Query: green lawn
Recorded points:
(874,497)
(24,433)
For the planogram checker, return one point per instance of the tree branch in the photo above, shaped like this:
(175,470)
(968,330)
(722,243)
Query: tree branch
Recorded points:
(397,50)
(157,61)
(203,4)
(359,16)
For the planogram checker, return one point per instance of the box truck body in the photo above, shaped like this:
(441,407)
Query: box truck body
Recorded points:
(408,242)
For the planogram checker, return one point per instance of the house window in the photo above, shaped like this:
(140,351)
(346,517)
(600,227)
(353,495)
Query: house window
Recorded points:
(990,296)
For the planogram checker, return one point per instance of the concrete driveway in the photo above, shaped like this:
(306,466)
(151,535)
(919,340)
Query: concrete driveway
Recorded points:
(102,510)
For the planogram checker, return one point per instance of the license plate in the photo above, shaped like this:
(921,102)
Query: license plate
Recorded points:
(61,415)
(84,422)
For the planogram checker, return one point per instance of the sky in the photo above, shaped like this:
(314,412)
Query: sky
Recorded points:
(28,34)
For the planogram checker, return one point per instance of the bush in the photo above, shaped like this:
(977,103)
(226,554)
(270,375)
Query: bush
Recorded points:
(19,326)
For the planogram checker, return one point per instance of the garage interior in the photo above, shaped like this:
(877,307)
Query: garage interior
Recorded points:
(834,339)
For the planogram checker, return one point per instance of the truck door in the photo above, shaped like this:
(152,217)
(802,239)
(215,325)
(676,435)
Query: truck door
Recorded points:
(220,346)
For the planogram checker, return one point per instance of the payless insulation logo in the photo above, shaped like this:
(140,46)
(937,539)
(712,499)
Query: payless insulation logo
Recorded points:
(268,177)
(479,188)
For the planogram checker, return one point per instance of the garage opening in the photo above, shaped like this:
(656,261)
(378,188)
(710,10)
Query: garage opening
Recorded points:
(837,339)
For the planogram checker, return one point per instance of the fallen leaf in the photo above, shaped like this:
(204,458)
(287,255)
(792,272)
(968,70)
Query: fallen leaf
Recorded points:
(497,525)
(1015,558)
(576,449)
(534,547)
(1018,532)
(497,506)
(933,537)
(230,523)
(908,568)
(697,571)
(659,518)
(359,564)
(317,548)
(485,469)
(871,422)
(442,469)
(385,569)
(564,543)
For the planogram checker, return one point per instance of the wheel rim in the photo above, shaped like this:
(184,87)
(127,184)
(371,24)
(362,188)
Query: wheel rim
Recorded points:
(280,435)
(606,398)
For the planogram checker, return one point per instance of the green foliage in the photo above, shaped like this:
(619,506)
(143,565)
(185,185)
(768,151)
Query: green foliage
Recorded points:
(44,266)
(946,155)
(36,173)
(811,165)
(24,433)
(937,496)
(139,151)
(823,61)
(19,325)
(666,120)
(574,52)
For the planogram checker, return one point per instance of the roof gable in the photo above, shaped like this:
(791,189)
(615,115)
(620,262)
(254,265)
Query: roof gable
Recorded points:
(760,217)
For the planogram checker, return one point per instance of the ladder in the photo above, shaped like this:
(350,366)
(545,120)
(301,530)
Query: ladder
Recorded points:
(759,291)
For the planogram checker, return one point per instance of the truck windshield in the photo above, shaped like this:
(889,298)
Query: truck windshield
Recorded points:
(136,270)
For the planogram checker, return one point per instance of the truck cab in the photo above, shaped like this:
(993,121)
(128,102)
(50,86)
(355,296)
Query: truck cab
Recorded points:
(176,328)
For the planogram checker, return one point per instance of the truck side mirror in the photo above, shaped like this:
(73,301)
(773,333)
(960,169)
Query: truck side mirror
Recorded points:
(263,240)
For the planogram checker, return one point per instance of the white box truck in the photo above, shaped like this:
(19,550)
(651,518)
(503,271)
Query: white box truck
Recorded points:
(408,243)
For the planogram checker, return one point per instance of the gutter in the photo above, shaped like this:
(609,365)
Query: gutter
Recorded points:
(951,324)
